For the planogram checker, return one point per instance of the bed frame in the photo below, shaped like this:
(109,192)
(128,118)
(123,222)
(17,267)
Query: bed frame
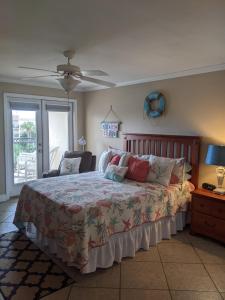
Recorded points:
(173,146)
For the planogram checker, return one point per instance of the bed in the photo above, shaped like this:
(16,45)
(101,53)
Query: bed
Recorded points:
(90,222)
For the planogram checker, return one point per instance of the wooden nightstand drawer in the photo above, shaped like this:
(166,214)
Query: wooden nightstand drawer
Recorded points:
(208,225)
(208,214)
(218,210)
(201,205)
(203,224)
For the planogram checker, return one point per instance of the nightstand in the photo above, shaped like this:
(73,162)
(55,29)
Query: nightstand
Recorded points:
(208,214)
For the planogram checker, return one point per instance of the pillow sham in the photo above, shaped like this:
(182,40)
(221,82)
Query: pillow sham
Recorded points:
(116,151)
(160,169)
(124,159)
(177,175)
(187,169)
(115,173)
(143,157)
(70,166)
(104,160)
(137,169)
(123,154)
(115,160)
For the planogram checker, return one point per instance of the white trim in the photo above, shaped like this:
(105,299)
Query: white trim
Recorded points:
(164,76)
(182,73)
(3,198)
(7,144)
(172,75)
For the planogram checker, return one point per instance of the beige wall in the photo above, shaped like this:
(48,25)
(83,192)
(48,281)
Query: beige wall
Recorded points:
(32,90)
(195,106)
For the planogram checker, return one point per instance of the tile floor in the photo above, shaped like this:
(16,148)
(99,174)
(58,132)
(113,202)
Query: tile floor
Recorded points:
(185,267)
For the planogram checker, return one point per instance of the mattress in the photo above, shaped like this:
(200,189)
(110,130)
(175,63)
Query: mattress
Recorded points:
(82,212)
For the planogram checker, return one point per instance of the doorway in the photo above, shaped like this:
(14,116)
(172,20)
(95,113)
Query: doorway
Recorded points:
(38,131)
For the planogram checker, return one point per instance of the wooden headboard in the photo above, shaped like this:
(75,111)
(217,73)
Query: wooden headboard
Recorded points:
(173,146)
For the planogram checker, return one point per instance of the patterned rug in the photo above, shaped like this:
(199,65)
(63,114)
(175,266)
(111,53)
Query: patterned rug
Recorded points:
(26,272)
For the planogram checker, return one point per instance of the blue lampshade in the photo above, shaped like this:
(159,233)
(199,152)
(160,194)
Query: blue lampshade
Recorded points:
(215,155)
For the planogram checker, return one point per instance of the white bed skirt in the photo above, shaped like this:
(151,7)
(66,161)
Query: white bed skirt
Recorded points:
(128,243)
(119,245)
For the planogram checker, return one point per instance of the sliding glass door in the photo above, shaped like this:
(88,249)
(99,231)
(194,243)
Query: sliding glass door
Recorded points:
(38,132)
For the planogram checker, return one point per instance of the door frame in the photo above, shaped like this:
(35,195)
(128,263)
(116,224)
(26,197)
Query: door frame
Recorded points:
(8,134)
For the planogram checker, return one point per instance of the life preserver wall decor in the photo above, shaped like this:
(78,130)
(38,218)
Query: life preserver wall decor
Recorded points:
(148,108)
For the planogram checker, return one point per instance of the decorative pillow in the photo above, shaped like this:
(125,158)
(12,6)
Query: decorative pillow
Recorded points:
(137,169)
(160,169)
(115,173)
(104,160)
(143,157)
(86,159)
(123,154)
(70,166)
(177,175)
(187,169)
(116,151)
(115,160)
(124,159)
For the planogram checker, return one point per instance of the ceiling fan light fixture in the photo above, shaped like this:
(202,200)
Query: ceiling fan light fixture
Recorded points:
(70,74)
(68,83)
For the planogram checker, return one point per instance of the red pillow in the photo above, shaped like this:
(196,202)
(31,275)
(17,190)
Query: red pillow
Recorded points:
(115,160)
(137,169)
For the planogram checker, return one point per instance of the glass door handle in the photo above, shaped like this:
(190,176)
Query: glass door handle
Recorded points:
(39,148)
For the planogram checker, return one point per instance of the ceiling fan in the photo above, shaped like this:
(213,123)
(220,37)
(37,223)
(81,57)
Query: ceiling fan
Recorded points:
(69,76)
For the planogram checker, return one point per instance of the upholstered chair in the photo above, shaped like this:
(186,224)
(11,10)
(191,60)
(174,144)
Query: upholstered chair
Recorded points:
(88,163)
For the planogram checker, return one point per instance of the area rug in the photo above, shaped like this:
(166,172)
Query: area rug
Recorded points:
(26,272)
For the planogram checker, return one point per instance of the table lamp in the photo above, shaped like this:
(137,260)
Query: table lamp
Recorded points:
(82,142)
(216,156)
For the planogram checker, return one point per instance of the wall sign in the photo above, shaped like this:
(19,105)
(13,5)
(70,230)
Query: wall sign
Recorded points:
(110,128)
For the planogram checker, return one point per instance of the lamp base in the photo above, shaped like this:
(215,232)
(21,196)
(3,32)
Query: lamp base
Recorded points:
(219,191)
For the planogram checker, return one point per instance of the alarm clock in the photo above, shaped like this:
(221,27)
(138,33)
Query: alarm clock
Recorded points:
(208,186)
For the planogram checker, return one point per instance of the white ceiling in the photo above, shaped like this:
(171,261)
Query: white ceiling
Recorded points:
(132,40)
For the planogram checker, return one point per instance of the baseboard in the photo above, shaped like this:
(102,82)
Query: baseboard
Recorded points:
(3,197)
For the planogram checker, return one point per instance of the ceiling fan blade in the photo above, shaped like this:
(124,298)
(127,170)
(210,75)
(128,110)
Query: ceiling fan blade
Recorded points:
(37,69)
(40,76)
(93,73)
(98,81)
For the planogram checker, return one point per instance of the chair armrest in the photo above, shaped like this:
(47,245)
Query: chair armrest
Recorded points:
(51,173)
(93,163)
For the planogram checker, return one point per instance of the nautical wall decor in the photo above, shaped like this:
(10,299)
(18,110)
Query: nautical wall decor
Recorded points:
(110,128)
(154,104)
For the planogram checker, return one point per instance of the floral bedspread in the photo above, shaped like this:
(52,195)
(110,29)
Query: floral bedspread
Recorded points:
(82,211)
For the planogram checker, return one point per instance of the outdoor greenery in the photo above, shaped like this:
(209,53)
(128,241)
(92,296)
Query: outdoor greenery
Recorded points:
(28,129)
(27,140)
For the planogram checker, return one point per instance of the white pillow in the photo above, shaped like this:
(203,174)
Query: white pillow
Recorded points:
(116,151)
(160,169)
(70,166)
(143,157)
(104,160)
